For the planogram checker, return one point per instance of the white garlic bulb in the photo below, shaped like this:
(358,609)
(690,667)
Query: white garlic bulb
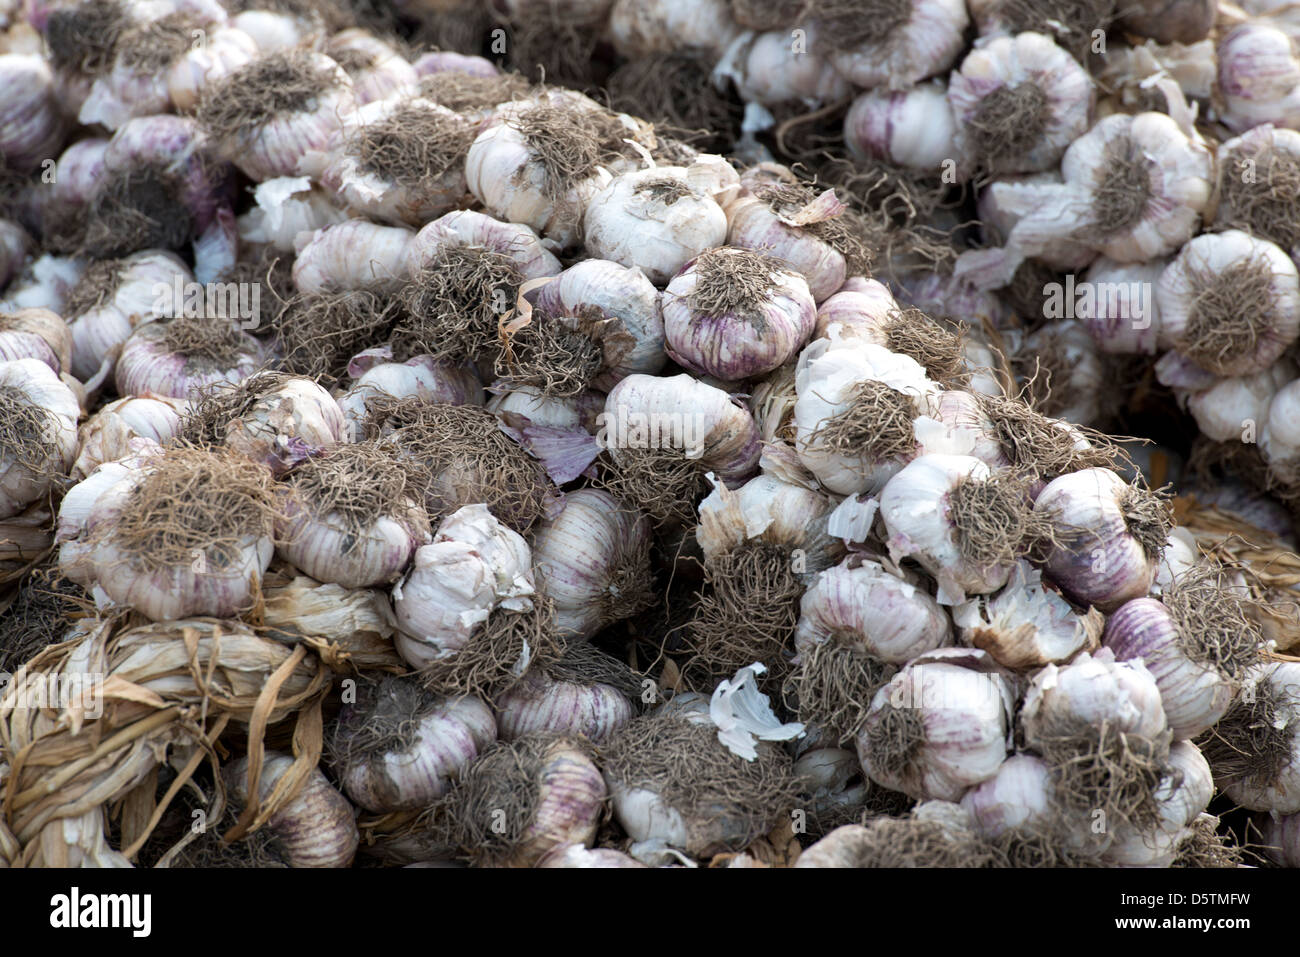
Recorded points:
(280,421)
(1235,409)
(127,427)
(912,127)
(774,67)
(468,228)
(1184,793)
(641,28)
(378,71)
(914,40)
(1259,77)
(179,357)
(1264,771)
(1122,307)
(1019,795)
(421,377)
(39,415)
(1093,690)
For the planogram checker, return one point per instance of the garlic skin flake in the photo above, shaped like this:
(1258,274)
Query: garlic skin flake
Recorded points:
(474,566)
(287,206)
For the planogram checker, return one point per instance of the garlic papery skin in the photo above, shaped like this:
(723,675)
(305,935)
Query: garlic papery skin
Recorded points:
(714,329)
(936,729)
(1093,690)
(468,228)
(655,220)
(896,45)
(1108,537)
(912,127)
(621,293)
(44,284)
(118,297)
(1255,778)
(1006,201)
(31,126)
(1122,313)
(181,356)
(770,510)
(922,511)
(1259,77)
(771,69)
(569,413)
(1183,794)
(269,141)
(1281,838)
(39,416)
(867,304)
(474,566)
(287,206)
(422,377)
(281,421)
(642,29)
(593,562)
(1019,795)
(1230,303)
(1018,102)
(356,254)
(125,427)
(36,334)
(541,703)
(1028,624)
(378,71)
(855,410)
(314,829)
(397,747)
(862,604)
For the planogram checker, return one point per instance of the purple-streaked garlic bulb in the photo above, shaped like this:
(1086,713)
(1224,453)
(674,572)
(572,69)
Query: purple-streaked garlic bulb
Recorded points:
(1107,539)
(811,232)
(1018,796)
(855,412)
(316,828)
(400,161)
(938,727)
(1281,838)
(350,517)
(520,800)
(964,523)
(656,220)
(31,125)
(896,46)
(641,29)
(585,692)
(378,71)
(268,113)
(859,302)
(287,206)
(126,427)
(575,855)
(1230,303)
(593,562)
(465,228)
(38,432)
(115,297)
(1255,751)
(179,534)
(77,175)
(1184,792)
(36,334)
(1197,642)
(620,293)
(734,314)
(1121,309)
(1259,76)
(179,357)
(1018,102)
(474,567)
(448,61)
(541,162)
(1028,624)
(769,69)
(422,377)
(356,254)
(912,127)
(398,747)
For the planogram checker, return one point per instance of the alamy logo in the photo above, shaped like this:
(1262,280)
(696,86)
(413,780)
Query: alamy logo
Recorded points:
(1099,300)
(652,430)
(213,300)
(75,910)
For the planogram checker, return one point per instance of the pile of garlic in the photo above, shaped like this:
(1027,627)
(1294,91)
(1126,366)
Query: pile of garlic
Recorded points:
(598,471)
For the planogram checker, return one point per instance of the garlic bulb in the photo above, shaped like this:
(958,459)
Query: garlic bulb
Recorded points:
(178,357)
(641,29)
(38,425)
(1067,373)
(1108,536)
(1236,409)
(223,51)
(912,127)
(1019,795)
(275,31)
(1184,793)
(1230,303)
(733,314)
(1122,307)
(36,334)
(575,855)
(655,220)
(1279,441)
(586,692)
(448,61)
(1256,751)
(934,834)
(772,68)
(423,378)
(593,562)
(397,747)
(264,116)
(355,254)
(1018,102)
(179,534)
(398,161)
(938,727)
(770,510)
(474,567)
(314,829)
(78,174)
(351,518)
(287,206)
(470,229)
(44,284)
(1282,838)
(14,243)
(622,293)
(1254,191)
(1028,624)
(378,71)
(891,44)
(126,427)
(112,299)
(1259,77)
(1005,202)
(854,415)
(31,126)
